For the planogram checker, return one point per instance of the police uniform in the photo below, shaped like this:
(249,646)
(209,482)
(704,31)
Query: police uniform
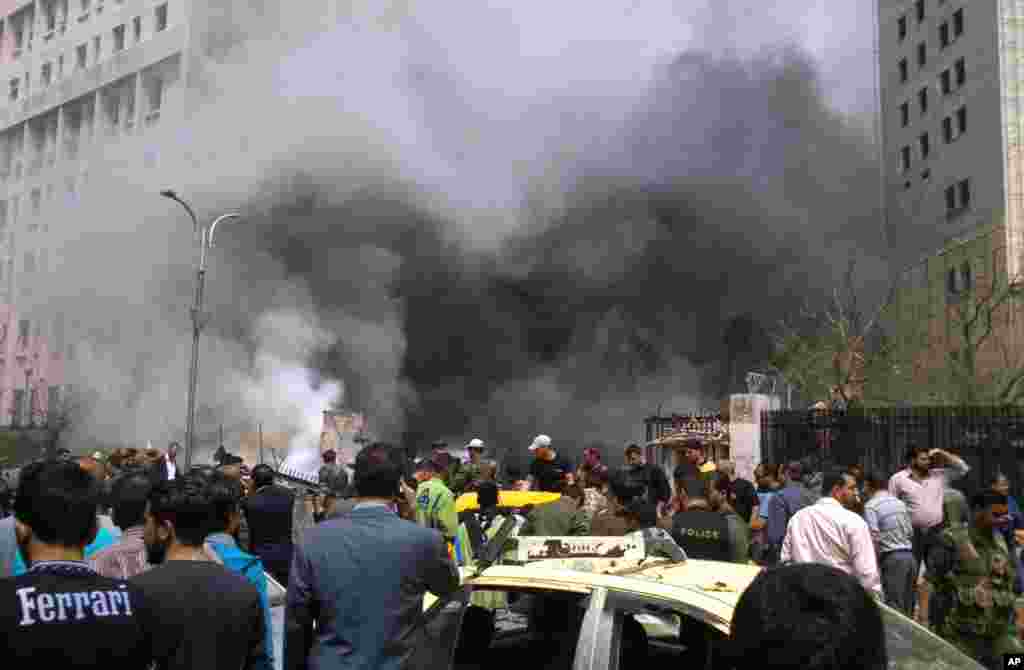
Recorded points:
(464,476)
(702,535)
(981,578)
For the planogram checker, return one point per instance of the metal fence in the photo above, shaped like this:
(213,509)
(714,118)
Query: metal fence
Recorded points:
(990,439)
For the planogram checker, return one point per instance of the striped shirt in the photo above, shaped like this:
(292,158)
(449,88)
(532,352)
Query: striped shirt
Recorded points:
(889,523)
(122,560)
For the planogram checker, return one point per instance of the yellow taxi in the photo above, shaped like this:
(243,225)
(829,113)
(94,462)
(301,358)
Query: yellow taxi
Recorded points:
(571,607)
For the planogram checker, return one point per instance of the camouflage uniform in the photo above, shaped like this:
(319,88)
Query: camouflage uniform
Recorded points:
(464,476)
(981,577)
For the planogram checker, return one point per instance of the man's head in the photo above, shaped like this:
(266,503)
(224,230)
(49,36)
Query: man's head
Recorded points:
(330,456)
(225,496)
(991,510)
(728,469)
(172,451)
(767,475)
(1000,484)
(487,495)
(874,482)
(378,470)
(55,507)
(427,469)
(130,495)
(95,468)
(634,455)
(919,459)
(694,450)
(721,495)
(262,475)
(807,616)
(795,472)
(180,513)
(476,449)
(840,485)
(540,442)
(856,471)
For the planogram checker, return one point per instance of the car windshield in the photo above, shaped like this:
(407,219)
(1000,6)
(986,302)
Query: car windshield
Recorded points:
(912,647)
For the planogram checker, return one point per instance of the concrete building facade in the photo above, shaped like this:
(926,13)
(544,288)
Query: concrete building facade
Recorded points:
(951,84)
(79,80)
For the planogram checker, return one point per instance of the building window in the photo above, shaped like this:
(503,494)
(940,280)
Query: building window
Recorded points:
(922,55)
(161,17)
(81,56)
(905,159)
(97,45)
(904,73)
(902,25)
(60,67)
(950,199)
(30,262)
(15,85)
(137,29)
(947,129)
(922,100)
(961,72)
(944,35)
(926,146)
(47,75)
(37,202)
(119,38)
(958,23)
(919,7)
(905,114)
(961,121)
(945,82)
(964,189)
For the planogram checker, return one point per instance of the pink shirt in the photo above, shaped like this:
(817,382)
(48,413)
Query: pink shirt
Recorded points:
(924,499)
(828,533)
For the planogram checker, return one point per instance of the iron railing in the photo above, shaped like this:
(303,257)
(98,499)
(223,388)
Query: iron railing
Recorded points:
(989,439)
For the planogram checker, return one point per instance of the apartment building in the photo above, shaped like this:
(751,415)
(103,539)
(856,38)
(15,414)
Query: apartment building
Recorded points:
(951,76)
(80,80)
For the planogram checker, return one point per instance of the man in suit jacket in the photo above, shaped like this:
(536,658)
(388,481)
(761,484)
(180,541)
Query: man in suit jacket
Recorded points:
(269,512)
(361,578)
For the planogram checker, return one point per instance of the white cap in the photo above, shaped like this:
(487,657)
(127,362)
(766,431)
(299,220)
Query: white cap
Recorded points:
(475,443)
(540,441)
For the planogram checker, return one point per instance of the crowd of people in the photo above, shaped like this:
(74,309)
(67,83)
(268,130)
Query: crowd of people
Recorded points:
(136,561)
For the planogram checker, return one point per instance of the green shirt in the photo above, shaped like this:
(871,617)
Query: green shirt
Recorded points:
(435,508)
(467,473)
(983,578)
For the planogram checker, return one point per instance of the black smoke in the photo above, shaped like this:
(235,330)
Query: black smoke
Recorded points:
(735,191)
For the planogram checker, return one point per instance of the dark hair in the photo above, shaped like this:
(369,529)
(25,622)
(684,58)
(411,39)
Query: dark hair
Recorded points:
(808,616)
(633,449)
(186,504)
(876,480)
(693,443)
(770,470)
(725,486)
(130,494)
(795,470)
(225,495)
(487,494)
(996,476)
(913,450)
(987,498)
(597,476)
(377,471)
(262,475)
(513,473)
(58,500)
(832,479)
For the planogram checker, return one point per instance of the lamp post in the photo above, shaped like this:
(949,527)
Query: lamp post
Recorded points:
(206,243)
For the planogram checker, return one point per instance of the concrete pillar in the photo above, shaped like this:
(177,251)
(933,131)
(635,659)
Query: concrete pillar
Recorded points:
(137,107)
(60,135)
(745,429)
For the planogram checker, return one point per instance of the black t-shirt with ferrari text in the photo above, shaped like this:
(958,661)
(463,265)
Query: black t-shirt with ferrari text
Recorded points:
(61,614)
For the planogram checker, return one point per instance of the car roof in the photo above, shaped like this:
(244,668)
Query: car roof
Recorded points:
(707,586)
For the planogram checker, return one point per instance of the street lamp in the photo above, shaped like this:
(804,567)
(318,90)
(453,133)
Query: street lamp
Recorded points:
(206,243)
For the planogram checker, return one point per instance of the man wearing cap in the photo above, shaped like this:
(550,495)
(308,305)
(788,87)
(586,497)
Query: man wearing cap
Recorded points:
(545,460)
(435,503)
(469,475)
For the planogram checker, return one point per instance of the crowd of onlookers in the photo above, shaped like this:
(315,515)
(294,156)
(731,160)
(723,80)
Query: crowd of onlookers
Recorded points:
(137,563)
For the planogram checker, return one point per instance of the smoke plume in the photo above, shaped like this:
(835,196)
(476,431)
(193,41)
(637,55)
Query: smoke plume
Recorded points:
(486,222)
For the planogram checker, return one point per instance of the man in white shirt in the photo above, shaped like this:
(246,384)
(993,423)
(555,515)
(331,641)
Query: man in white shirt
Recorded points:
(828,532)
(172,460)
